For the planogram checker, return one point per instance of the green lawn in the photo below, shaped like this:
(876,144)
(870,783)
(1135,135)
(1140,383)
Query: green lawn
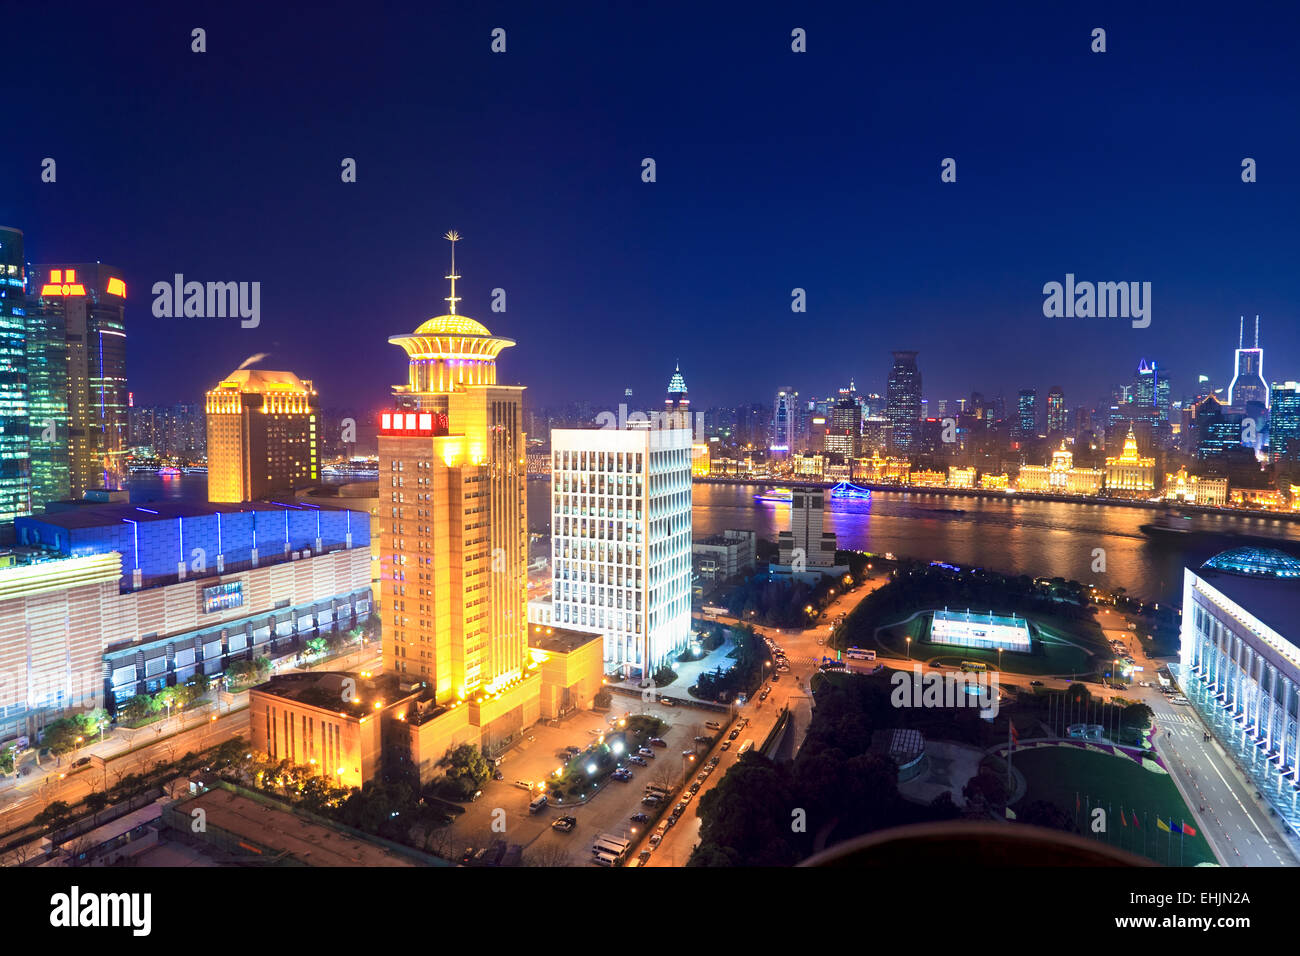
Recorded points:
(1063,648)
(1060,774)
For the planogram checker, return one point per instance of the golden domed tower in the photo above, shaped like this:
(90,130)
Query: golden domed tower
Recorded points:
(454,537)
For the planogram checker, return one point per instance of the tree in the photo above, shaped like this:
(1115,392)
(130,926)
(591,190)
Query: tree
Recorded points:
(54,816)
(95,802)
(1045,814)
(466,767)
(317,646)
(136,709)
(62,736)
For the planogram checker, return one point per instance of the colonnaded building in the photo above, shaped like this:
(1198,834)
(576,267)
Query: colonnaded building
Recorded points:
(1240,664)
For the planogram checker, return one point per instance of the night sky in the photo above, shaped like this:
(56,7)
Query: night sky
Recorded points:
(775,170)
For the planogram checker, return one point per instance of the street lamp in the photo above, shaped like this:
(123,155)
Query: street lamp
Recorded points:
(909,647)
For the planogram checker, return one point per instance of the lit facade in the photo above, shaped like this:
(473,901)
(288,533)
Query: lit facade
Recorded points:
(621,540)
(903,402)
(1060,477)
(961,477)
(262,435)
(1240,665)
(453,518)
(1129,473)
(112,600)
(15,456)
(89,301)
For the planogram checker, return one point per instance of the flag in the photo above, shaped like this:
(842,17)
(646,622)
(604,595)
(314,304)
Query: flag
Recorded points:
(1174,827)
(1123,820)
(1015,737)
(1188,829)
(1135,820)
(1076,801)
(1011,814)
(1161,825)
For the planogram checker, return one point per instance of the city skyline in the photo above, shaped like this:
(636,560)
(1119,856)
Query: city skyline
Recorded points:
(889,255)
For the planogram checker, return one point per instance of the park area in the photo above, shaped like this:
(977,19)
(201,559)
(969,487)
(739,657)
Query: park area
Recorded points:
(1133,791)
(1060,648)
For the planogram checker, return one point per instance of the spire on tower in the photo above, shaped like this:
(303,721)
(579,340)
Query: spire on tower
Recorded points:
(1256,331)
(453,237)
(1241,333)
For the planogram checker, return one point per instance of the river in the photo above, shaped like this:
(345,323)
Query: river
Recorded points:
(1039,538)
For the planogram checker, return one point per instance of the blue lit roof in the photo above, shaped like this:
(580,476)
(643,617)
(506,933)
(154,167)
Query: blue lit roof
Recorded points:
(1255,563)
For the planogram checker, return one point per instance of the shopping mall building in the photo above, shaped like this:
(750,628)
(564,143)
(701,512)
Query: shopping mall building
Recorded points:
(1240,664)
(103,600)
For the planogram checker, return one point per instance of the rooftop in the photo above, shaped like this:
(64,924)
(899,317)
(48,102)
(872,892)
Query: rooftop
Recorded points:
(558,640)
(282,831)
(78,514)
(1264,582)
(325,689)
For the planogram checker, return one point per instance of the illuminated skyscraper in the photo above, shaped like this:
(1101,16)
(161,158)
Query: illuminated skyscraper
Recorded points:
(1284,422)
(453,521)
(47,374)
(1027,414)
(903,401)
(15,464)
(1248,372)
(621,541)
(89,299)
(1056,415)
(678,402)
(785,422)
(262,435)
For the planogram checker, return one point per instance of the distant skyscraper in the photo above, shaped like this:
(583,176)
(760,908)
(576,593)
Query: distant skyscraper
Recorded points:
(262,435)
(90,301)
(678,403)
(1027,413)
(1056,414)
(15,456)
(903,401)
(1248,372)
(785,421)
(1284,422)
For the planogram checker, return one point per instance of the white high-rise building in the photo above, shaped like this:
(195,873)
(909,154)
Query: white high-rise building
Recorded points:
(621,541)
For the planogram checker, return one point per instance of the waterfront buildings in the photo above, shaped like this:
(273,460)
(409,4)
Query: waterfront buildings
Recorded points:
(1129,473)
(262,435)
(1060,477)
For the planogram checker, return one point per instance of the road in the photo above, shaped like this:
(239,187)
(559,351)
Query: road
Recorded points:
(790,689)
(24,797)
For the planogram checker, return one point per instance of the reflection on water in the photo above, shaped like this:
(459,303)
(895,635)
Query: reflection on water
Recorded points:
(1039,538)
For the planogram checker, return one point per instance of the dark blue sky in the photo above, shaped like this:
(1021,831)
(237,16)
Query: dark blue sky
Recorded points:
(775,170)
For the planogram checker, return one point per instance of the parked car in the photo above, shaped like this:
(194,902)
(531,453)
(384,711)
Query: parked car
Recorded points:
(637,759)
(643,856)
(703,740)
(640,818)
(657,742)
(1035,683)
(713,725)
(726,745)
(734,734)
(695,786)
(656,839)
(564,824)
(713,761)
(646,752)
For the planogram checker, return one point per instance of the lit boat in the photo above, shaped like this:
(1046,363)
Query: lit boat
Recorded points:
(780,495)
(846,490)
(169,472)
